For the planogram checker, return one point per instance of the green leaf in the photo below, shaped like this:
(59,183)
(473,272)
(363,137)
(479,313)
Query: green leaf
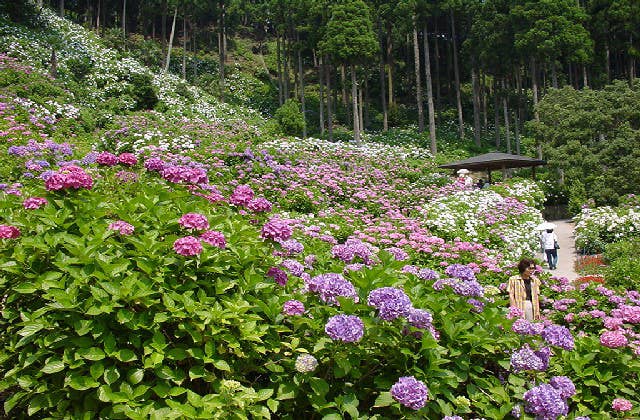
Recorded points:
(319,386)
(286,392)
(134,376)
(222,365)
(92,353)
(111,375)
(53,366)
(264,393)
(384,400)
(31,328)
(126,355)
(81,382)
(96,370)
(10,403)
(273,405)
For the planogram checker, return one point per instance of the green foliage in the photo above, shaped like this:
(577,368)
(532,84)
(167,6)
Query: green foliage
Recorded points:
(623,268)
(577,197)
(290,118)
(142,91)
(79,67)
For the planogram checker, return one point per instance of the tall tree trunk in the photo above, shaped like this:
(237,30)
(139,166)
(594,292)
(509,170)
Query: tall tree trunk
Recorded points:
(345,97)
(496,113)
(632,62)
(285,57)
(163,30)
(124,19)
(456,72)
(436,59)
(279,61)
(554,75)
(416,62)
(517,132)
(430,107)
(483,96)
(321,94)
(476,103)
(360,109)
(534,88)
(98,17)
(505,110)
(365,106)
(607,53)
(61,8)
(585,79)
(390,64)
(302,98)
(354,98)
(173,30)
(222,52)
(53,70)
(518,114)
(184,46)
(383,95)
(329,113)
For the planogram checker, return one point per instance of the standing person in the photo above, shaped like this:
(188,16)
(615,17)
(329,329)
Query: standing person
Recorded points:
(549,241)
(524,290)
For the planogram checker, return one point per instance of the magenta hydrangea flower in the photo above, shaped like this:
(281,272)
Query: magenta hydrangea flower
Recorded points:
(128,159)
(33,203)
(278,275)
(122,227)
(187,246)
(620,404)
(276,229)
(154,165)
(107,159)
(214,238)
(69,177)
(194,221)
(259,205)
(347,328)
(242,195)
(410,392)
(613,339)
(9,232)
(293,307)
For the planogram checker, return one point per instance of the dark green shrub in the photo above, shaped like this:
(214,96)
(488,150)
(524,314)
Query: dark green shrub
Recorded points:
(290,118)
(300,202)
(623,264)
(143,92)
(80,67)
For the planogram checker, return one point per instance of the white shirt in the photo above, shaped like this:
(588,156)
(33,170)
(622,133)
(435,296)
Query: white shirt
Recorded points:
(548,240)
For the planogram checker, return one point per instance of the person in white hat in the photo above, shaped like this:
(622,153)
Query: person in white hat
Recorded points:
(549,242)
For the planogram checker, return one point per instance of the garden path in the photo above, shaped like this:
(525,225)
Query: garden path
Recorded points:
(567,253)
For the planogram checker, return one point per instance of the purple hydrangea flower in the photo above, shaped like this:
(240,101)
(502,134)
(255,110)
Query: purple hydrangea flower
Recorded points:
(293,307)
(545,402)
(391,302)
(410,392)
(296,268)
(428,274)
(331,285)
(559,336)
(347,328)
(564,385)
(527,359)
(420,318)
(460,271)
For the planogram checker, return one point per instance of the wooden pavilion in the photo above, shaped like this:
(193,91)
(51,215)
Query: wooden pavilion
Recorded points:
(495,161)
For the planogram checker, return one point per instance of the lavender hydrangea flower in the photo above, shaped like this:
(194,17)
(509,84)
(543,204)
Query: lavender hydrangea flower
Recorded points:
(331,285)
(564,385)
(470,288)
(527,359)
(347,328)
(293,307)
(428,274)
(410,392)
(460,271)
(545,402)
(420,318)
(391,302)
(559,336)
(296,268)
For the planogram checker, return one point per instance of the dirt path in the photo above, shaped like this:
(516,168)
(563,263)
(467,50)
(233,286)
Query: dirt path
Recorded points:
(567,252)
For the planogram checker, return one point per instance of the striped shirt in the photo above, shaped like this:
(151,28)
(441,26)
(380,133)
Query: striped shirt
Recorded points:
(518,293)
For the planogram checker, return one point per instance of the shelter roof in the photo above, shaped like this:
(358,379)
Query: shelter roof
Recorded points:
(492,161)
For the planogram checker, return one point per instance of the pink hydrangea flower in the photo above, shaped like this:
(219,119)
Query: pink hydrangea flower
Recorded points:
(9,232)
(187,246)
(33,203)
(613,339)
(69,177)
(194,221)
(122,227)
(293,307)
(241,196)
(620,404)
(277,230)
(107,159)
(214,238)
(128,159)
(259,205)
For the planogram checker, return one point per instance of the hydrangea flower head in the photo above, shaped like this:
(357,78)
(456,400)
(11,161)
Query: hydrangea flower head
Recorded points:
(293,307)
(410,392)
(214,238)
(620,404)
(391,302)
(559,336)
(277,230)
(613,339)
(347,328)
(187,246)
(330,286)
(9,232)
(122,227)
(128,159)
(564,385)
(194,221)
(107,159)
(306,363)
(545,402)
(259,205)
(33,203)
(242,195)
